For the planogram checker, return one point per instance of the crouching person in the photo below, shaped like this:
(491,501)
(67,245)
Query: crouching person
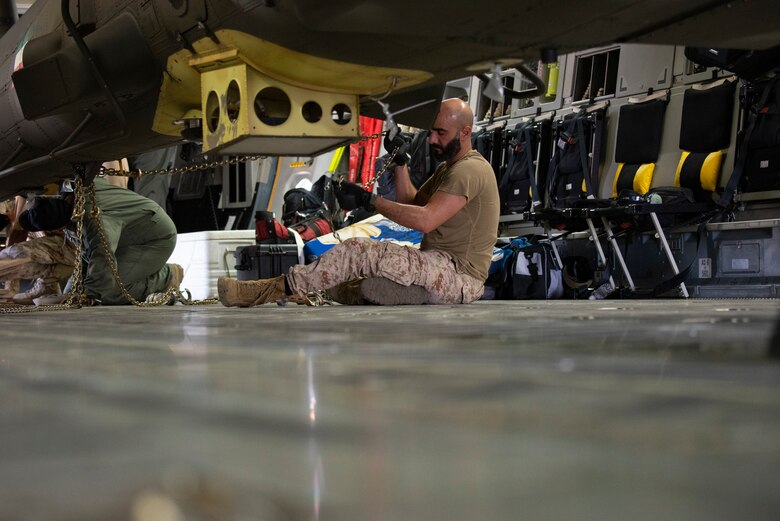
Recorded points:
(140,238)
(47,261)
(457,210)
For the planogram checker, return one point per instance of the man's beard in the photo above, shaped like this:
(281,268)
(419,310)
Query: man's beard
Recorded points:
(449,151)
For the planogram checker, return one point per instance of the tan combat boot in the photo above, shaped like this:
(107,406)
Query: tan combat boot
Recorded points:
(176,276)
(174,282)
(246,293)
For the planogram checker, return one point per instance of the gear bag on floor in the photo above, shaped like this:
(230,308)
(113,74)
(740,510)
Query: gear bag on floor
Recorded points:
(527,271)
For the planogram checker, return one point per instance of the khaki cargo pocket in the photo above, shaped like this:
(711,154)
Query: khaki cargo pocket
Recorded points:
(400,264)
(472,289)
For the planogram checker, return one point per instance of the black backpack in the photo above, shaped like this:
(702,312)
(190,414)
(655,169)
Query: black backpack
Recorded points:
(325,190)
(481,142)
(762,170)
(572,175)
(490,145)
(301,206)
(422,165)
(519,185)
(530,272)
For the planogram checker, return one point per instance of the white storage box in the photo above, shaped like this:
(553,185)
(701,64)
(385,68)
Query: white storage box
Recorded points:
(206,256)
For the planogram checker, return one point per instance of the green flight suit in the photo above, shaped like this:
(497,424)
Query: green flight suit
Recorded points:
(141,236)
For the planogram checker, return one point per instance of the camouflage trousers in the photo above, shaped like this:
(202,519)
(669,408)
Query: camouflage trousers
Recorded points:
(359,257)
(47,257)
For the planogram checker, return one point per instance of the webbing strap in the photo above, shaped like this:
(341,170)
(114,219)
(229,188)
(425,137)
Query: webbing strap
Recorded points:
(529,160)
(676,280)
(496,151)
(298,244)
(552,177)
(583,155)
(513,168)
(598,131)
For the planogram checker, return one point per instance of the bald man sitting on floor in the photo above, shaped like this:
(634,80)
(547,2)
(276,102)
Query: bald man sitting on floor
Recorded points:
(457,210)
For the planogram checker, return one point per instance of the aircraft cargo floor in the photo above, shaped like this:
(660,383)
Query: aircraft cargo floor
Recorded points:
(602,410)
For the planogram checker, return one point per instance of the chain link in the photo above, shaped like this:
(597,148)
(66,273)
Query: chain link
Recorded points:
(368,185)
(77,287)
(196,167)
(76,297)
(184,169)
(385,168)
(312,298)
(161,299)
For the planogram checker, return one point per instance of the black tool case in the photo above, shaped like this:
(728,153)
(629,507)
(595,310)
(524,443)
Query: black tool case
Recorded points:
(265,261)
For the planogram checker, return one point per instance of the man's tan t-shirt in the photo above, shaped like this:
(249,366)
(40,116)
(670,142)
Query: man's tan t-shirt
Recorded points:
(470,234)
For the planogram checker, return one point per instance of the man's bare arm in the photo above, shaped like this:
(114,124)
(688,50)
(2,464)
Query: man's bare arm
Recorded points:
(426,218)
(405,191)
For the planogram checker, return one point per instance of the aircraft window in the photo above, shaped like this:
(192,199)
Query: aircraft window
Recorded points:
(312,112)
(341,114)
(488,108)
(596,75)
(272,106)
(233,101)
(304,184)
(212,111)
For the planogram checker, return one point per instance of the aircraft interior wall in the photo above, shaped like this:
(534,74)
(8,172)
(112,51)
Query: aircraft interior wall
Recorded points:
(641,69)
(570,396)
(739,248)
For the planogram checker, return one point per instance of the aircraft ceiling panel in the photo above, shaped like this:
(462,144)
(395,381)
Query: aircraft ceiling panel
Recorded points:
(740,25)
(520,28)
(448,38)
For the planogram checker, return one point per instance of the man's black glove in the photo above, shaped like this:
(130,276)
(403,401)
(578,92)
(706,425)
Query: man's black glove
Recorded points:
(401,156)
(351,196)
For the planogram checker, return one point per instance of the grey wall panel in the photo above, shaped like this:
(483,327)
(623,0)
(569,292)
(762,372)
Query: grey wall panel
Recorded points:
(644,67)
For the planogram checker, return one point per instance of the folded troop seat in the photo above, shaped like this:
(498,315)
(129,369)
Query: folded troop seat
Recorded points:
(638,143)
(705,131)
(574,168)
(490,144)
(576,142)
(640,127)
(573,176)
(528,158)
